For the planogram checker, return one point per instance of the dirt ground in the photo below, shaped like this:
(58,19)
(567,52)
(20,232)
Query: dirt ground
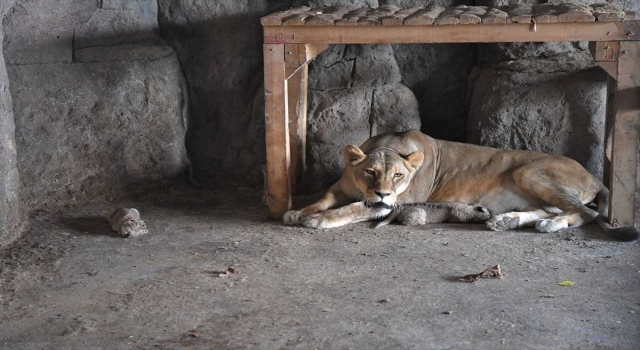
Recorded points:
(70,283)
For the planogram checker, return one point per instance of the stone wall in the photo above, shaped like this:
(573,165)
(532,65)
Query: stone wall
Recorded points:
(10,206)
(99,99)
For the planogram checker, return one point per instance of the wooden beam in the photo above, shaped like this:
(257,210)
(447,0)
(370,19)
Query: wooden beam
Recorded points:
(625,133)
(277,131)
(300,55)
(314,50)
(605,53)
(467,33)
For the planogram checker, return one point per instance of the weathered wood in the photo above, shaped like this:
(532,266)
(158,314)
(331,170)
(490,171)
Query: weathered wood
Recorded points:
(485,33)
(297,102)
(544,13)
(369,21)
(320,20)
(398,17)
(424,17)
(495,16)
(348,21)
(623,171)
(574,13)
(605,51)
(473,15)
(520,13)
(631,16)
(389,15)
(295,20)
(276,131)
(607,12)
(450,16)
(299,55)
(275,19)
(608,126)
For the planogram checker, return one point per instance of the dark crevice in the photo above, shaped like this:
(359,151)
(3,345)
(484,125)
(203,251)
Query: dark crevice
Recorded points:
(371,115)
(353,73)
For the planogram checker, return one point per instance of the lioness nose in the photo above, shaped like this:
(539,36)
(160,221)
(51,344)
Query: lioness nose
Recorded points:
(382,194)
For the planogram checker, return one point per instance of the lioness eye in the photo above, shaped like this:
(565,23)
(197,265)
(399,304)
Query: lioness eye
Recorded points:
(370,171)
(397,175)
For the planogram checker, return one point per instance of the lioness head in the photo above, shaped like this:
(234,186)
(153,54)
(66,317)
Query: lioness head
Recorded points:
(383,174)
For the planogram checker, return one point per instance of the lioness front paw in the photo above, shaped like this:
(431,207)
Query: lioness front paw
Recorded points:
(503,222)
(551,225)
(292,217)
(318,221)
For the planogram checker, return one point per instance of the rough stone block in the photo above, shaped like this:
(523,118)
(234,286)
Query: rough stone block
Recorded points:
(555,105)
(88,131)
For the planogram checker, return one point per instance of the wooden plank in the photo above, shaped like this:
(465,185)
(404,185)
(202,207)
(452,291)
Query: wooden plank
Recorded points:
(398,17)
(624,149)
(275,19)
(276,131)
(450,16)
(520,13)
(299,55)
(295,20)
(607,13)
(544,13)
(424,17)
(473,15)
(605,51)
(495,16)
(610,113)
(313,50)
(301,114)
(409,34)
(574,13)
(293,85)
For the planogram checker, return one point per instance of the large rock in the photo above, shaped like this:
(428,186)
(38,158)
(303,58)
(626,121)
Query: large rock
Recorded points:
(124,127)
(554,105)
(10,206)
(219,45)
(99,100)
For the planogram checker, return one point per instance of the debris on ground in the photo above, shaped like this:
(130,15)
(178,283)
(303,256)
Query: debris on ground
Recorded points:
(489,272)
(447,312)
(566,283)
(228,272)
(385,301)
(127,222)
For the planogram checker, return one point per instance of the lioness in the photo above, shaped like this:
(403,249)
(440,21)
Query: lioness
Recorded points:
(520,188)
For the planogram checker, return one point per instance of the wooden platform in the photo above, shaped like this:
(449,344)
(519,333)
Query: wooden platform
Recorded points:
(294,37)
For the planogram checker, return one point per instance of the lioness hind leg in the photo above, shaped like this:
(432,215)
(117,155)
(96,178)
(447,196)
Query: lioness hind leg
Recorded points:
(564,185)
(517,219)
(570,219)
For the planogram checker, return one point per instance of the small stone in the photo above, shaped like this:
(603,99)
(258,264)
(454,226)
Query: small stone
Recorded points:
(447,312)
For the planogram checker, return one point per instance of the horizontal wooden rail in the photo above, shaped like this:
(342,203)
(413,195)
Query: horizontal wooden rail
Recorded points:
(470,33)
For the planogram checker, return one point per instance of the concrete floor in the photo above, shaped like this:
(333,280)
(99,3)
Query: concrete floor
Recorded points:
(70,283)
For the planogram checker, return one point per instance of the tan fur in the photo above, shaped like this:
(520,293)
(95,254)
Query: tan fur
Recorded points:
(505,182)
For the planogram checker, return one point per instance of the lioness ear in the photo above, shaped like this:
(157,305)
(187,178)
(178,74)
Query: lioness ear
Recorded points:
(353,155)
(415,159)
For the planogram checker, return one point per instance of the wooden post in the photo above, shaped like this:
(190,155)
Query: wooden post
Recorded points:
(297,89)
(624,145)
(277,131)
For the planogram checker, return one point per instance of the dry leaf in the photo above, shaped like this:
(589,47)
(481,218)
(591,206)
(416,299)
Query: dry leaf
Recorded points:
(491,271)
(566,283)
